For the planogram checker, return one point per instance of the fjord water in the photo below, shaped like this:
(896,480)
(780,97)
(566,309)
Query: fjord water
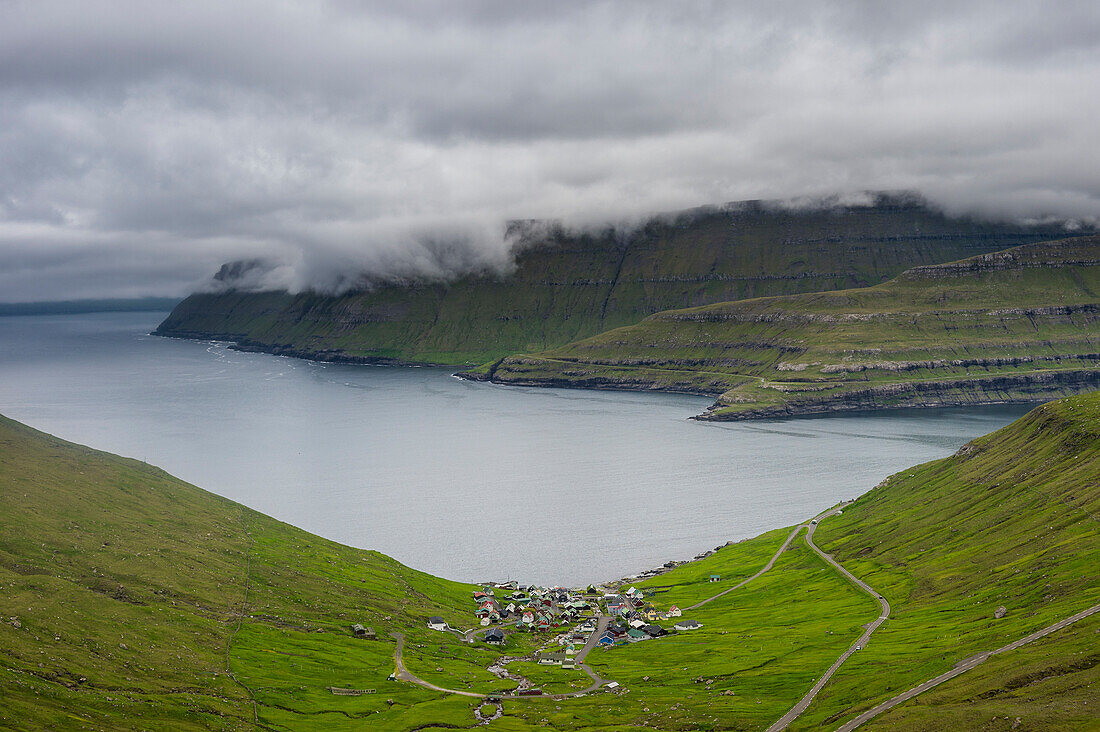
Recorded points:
(465,480)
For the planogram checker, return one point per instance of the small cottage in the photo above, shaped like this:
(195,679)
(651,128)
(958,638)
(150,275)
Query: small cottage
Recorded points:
(688,625)
(437,623)
(495,637)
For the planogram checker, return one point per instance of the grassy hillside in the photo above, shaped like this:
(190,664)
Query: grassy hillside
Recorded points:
(1012,520)
(130,599)
(1019,325)
(570,287)
(133,600)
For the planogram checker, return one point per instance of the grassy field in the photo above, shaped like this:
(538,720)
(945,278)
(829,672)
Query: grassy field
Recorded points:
(565,287)
(1050,684)
(1013,520)
(131,600)
(1020,325)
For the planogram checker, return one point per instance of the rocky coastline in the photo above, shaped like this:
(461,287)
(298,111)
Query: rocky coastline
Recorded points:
(246,345)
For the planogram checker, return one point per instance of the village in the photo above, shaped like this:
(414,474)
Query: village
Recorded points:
(588,617)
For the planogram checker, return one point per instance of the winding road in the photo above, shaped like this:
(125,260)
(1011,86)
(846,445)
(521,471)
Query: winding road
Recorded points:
(601,625)
(962,667)
(771,562)
(803,703)
(403,674)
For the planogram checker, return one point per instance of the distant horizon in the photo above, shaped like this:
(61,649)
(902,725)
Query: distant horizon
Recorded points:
(89,305)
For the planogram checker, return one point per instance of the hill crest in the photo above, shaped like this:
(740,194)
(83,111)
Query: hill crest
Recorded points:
(566,287)
(1015,326)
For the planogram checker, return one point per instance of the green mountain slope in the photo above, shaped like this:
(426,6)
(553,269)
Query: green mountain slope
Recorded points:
(132,600)
(1012,520)
(567,288)
(1022,325)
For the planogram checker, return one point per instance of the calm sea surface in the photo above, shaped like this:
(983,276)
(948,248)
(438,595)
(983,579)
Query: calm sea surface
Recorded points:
(469,481)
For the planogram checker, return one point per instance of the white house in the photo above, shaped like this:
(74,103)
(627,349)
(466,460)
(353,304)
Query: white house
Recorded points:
(437,623)
(688,625)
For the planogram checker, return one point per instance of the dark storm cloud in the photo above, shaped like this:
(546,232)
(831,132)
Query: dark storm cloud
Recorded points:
(142,144)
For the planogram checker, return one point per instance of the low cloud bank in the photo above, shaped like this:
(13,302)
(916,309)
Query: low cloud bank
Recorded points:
(144,144)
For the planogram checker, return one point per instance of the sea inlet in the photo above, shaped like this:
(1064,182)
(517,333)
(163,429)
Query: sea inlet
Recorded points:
(465,480)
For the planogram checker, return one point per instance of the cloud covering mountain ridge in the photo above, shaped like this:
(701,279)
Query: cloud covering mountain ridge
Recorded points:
(143,144)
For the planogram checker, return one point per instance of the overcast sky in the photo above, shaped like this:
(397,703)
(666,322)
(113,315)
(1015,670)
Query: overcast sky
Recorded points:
(142,144)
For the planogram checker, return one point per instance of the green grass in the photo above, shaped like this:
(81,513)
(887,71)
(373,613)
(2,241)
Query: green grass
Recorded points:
(1050,684)
(551,679)
(129,586)
(1011,520)
(1013,326)
(689,583)
(765,643)
(145,603)
(574,286)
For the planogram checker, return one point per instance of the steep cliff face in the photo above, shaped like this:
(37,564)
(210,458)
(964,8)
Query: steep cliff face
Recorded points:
(1024,388)
(567,288)
(1018,326)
